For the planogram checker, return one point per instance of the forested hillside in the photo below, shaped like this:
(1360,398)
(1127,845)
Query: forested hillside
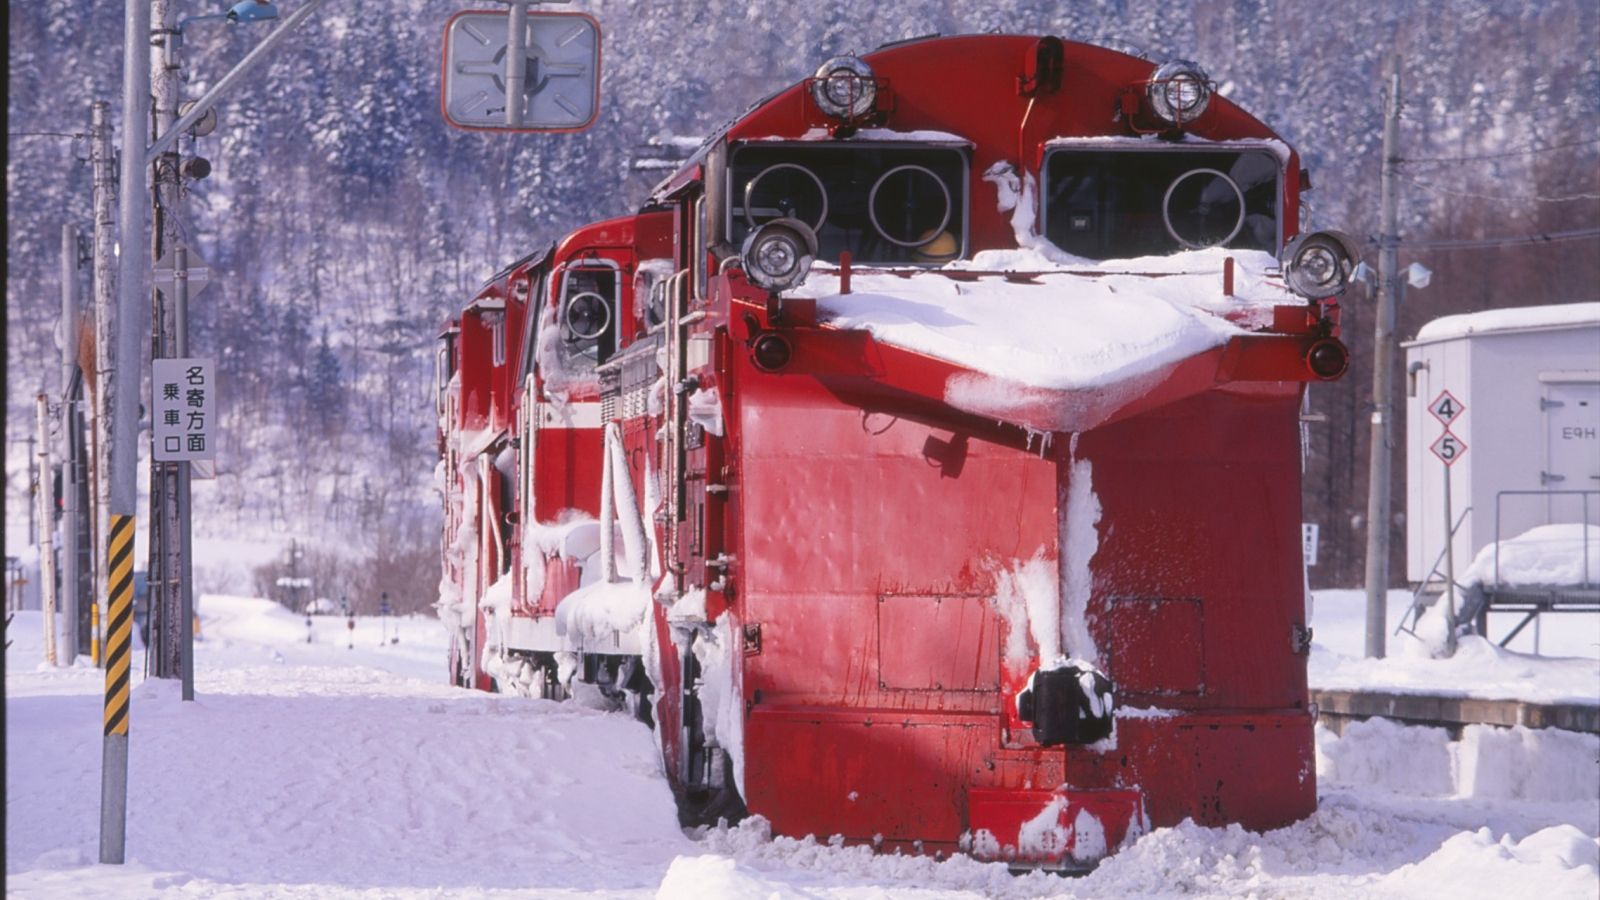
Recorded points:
(344,221)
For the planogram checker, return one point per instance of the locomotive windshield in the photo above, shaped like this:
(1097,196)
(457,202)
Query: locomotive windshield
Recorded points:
(884,204)
(1110,204)
(589,302)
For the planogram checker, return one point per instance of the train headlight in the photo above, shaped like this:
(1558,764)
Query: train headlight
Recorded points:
(1179,91)
(845,88)
(1321,264)
(778,255)
(588,316)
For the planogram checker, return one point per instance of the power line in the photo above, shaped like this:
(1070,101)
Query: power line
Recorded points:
(12,134)
(1525,151)
(1552,237)
(1529,198)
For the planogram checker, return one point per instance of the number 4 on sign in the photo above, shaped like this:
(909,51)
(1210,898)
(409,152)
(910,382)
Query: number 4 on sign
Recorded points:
(1446,408)
(1449,448)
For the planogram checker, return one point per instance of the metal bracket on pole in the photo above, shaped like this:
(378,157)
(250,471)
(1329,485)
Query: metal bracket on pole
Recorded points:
(516,65)
(209,99)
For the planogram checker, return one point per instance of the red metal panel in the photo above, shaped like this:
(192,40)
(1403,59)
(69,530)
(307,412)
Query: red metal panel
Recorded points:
(1155,647)
(937,642)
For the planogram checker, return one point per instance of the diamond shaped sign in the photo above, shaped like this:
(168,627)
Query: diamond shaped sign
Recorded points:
(1446,408)
(1449,448)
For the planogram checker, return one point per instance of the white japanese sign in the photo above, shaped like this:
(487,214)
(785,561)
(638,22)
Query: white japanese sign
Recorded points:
(183,424)
(1308,541)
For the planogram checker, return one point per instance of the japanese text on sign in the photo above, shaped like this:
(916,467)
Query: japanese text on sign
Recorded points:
(183,425)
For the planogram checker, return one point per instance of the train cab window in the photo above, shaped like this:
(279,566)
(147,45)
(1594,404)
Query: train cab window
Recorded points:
(883,203)
(444,368)
(1105,204)
(530,326)
(701,274)
(589,304)
(497,336)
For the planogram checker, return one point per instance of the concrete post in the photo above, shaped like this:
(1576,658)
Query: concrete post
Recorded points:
(1382,446)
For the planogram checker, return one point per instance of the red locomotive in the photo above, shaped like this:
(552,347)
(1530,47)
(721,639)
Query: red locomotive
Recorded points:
(923,462)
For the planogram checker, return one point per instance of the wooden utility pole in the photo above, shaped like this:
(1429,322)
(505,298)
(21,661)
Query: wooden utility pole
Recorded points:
(99,386)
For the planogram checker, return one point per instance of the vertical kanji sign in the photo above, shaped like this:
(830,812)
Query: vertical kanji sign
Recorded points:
(183,425)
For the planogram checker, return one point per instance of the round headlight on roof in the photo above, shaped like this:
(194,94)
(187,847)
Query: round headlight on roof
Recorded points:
(778,255)
(1179,91)
(1321,264)
(845,88)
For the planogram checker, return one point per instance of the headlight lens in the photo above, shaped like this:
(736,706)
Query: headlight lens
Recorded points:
(588,316)
(778,255)
(1179,91)
(845,88)
(1320,265)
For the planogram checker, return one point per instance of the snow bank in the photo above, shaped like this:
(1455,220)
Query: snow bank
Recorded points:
(1488,763)
(1560,861)
(290,785)
(1564,554)
(1550,316)
(1382,754)
(1544,765)
(1478,669)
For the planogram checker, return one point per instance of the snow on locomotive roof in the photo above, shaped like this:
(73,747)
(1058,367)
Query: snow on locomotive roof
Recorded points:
(883,135)
(1521,318)
(1112,141)
(1082,325)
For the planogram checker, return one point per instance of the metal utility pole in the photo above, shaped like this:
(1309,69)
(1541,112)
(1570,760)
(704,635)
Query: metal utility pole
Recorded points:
(126,373)
(47,553)
(1378,471)
(99,388)
(69,445)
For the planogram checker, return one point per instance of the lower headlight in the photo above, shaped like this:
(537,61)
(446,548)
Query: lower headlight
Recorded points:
(1319,265)
(778,255)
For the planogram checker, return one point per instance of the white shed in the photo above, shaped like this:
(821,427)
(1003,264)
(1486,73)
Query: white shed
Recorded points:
(1521,390)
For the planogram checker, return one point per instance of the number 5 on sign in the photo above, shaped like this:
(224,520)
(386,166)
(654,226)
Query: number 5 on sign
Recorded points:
(1449,448)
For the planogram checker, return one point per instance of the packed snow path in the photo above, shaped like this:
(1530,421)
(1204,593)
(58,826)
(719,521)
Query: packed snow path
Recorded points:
(315,770)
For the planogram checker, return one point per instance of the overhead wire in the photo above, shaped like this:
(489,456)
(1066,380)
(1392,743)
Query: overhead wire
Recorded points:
(1526,198)
(1524,151)
(1551,237)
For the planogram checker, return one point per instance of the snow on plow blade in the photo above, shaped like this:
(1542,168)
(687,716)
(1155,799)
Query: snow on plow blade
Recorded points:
(1058,351)
(1061,829)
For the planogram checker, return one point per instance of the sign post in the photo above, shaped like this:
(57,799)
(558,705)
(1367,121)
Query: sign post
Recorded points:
(1449,448)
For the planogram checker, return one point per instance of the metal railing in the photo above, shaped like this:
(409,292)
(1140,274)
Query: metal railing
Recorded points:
(1588,576)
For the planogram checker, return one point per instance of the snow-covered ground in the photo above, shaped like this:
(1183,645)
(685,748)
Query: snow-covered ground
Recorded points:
(314,769)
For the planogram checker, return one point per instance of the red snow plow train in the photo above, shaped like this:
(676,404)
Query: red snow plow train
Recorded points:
(922,462)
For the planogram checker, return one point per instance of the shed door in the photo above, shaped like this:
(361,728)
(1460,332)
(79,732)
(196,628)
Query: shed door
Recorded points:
(1572,429)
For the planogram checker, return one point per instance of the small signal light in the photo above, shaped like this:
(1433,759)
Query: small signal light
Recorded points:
(1327,359)
(771,352)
